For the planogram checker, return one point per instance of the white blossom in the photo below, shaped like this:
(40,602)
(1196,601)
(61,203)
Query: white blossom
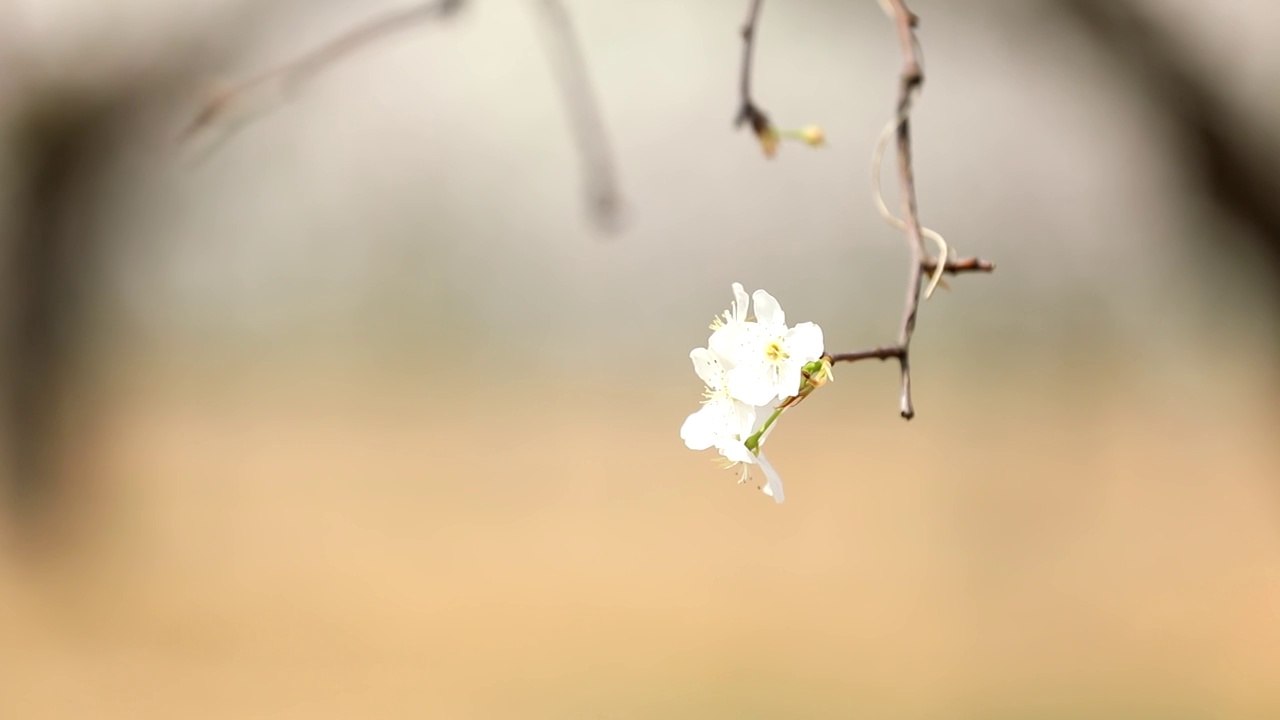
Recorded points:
(767,358)
(721,422)
(749,364)
(717,425)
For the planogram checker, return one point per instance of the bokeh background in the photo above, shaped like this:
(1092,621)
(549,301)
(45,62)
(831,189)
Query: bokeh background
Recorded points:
(358,414)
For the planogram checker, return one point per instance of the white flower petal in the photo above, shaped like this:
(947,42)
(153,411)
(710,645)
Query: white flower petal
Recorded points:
(736,342)
(708,367)
(768,311)
(742,419)
(804,343)
(712,422)
(752,382)
(773,481)
(701,429)
(740,303)
(716,422)
(790,376)
(735,451)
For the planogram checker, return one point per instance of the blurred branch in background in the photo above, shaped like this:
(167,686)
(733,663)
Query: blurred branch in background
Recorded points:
(226,106)
(1235,166)
(586,120)
(748,111)
(294,73)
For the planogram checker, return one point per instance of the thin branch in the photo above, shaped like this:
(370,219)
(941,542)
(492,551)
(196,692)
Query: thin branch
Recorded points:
(881,353)
(961,265)
(748,111)
(910,82)
(292,74)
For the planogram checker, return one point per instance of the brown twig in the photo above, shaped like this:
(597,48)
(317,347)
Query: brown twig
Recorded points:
(880,353)
(748,111)
(910,82)
(294,73)
(960,265)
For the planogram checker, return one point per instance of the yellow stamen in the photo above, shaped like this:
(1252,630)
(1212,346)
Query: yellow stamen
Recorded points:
(775,353)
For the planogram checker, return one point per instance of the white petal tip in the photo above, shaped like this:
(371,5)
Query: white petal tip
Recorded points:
(773,486)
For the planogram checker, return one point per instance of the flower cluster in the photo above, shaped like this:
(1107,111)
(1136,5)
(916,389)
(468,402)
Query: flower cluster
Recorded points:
(753,369)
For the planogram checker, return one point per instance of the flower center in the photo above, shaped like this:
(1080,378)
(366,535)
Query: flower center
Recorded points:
(774,352)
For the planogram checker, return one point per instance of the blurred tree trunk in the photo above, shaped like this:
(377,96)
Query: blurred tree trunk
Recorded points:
(1228,155)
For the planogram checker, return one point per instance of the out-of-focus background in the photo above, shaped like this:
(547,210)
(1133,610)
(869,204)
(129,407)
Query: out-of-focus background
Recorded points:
(357,414)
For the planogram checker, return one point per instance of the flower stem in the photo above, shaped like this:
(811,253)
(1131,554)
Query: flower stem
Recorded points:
(753,442)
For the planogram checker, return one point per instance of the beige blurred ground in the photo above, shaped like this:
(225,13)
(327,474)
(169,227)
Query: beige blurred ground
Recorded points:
(374,426)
